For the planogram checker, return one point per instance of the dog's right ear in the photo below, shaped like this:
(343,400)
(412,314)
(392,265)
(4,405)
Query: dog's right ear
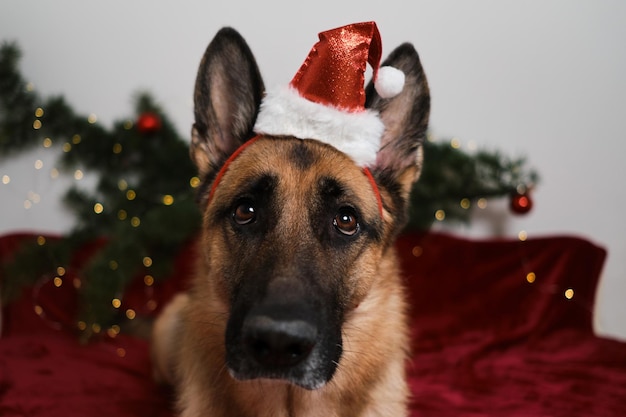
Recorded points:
(228,92)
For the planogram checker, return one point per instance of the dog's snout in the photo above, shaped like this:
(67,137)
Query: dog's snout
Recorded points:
(275,343)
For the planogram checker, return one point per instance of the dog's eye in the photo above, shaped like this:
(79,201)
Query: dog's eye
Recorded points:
(244,213)
(346,222)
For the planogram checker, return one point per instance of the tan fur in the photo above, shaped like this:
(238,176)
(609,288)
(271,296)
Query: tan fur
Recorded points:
(370,379)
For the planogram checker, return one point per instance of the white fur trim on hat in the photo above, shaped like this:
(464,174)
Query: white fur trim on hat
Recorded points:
(285,113)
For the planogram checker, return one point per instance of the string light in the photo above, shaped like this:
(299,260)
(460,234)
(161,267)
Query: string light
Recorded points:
(38,164)
(194,182)
(455,143)
(6,179)
(168,200)
(465,203)
(47,142)
(37,124)
(122,185)
(113,265)
(135,222)
(76,139)
(147,261)
(130,314)
(38,112)
(116,302)
(92,118)
(440,215)
(148,280)
(98,208)
(117,148)
(522,235)
(481,203)
(67,147)
(131,195)
(78,175)
(531,277)
(569,293)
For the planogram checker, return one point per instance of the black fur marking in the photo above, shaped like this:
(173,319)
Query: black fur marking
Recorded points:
(301,156)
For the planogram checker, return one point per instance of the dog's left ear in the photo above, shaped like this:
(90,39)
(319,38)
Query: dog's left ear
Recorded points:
(405,116)
(228,92)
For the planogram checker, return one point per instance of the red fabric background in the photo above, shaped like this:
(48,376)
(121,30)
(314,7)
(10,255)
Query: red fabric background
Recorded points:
(486,342)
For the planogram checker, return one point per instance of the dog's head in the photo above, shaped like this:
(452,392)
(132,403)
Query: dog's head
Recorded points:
(294,231)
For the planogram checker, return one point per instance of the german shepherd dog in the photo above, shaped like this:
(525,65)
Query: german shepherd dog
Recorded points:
(297,308)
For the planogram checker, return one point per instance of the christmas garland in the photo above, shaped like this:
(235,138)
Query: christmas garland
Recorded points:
(143,209)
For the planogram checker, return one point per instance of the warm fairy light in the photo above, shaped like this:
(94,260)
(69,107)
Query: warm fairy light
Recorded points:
(465,203)
(148,280)
(47,142)
(67,147)
(194,182)
(135,222)
(96,328)
(455,143)
(569,293)
(28,204)
(113,265)
(57,281)
(130,313)
(130,195)
(112,332)
(81,325)
(128,124)
(152,305)
(38,164)
(76,283)
(531,277)
(92,118)
(121,352)
(76,139)
(440,215)
(117,148)
(37,124)
(417,251)
(54,173)
(116,303)
(41,240)
(522,235)
(6,179)
(168,200)
(38,310)
(38,112)
(122,185)
(122,214)
(30,87)
(482,203)
(78,175)
(98,208)
(34,197)
(60,271)
(147,261)
(471,145)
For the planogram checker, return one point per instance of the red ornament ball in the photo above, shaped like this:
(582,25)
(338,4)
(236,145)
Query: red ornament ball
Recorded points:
(521,203)
(148,122)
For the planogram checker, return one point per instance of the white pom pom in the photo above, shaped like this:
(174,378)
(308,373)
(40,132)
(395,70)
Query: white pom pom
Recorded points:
(389,82)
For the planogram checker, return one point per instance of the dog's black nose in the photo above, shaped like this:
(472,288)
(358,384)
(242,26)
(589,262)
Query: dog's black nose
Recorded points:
(276,343)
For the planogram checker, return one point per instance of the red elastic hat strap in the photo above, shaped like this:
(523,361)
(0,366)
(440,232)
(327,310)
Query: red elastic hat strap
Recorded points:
(372,181)
(235,154)
(224,168)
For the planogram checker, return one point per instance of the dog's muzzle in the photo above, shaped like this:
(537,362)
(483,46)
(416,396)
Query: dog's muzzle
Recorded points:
(284,343)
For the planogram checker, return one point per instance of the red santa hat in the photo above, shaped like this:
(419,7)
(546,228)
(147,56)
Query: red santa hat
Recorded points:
(326,98)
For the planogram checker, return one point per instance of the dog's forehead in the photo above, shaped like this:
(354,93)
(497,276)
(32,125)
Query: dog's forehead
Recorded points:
(299,167)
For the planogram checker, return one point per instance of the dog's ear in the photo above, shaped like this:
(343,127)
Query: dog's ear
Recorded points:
(405,116)
(227,96)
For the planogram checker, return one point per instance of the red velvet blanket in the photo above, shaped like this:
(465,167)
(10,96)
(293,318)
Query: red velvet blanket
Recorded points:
(500,328)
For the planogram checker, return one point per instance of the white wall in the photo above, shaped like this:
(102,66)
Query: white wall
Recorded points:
(538,78)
